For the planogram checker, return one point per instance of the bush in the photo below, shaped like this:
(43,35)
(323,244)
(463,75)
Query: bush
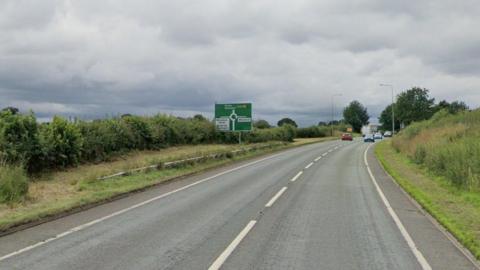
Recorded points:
(61,143)
(311,132)
(19,138)
(138,132)
(13,183)
(100,139)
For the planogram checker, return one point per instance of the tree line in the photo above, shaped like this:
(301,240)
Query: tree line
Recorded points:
(412,105)
(415,105)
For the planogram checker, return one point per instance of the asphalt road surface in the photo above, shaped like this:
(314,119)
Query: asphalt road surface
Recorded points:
(312,207)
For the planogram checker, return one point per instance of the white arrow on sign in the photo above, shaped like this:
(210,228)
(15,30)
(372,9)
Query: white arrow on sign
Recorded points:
(233,117)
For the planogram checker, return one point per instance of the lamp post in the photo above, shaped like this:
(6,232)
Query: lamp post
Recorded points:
(333,112)
(393,113)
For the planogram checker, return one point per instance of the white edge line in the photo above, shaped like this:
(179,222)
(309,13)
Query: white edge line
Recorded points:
(411,244)
(228,251)
(309,165)
(296,176)
(274,198)
(93,222)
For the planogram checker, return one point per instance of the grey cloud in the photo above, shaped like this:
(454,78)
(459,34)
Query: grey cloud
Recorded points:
(25,14)
(94,58)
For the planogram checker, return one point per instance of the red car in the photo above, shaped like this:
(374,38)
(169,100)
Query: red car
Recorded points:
(347,137)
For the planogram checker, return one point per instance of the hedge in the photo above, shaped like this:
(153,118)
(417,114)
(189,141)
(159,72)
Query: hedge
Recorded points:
(62,143)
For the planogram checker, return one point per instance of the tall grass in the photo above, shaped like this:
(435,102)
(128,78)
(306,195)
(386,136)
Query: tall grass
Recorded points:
(448,145)
(13,183)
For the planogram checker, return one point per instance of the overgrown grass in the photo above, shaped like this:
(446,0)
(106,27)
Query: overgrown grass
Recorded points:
(448,145)
(13,183)
(456,208)
(63,190)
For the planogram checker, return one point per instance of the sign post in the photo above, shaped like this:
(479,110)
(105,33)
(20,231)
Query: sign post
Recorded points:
(234,117)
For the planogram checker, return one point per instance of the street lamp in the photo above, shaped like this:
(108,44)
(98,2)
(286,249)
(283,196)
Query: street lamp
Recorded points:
(393,113)
(333,111)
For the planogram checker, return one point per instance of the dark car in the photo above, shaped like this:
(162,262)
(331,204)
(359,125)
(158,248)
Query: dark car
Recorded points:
(368,138)
(347,137)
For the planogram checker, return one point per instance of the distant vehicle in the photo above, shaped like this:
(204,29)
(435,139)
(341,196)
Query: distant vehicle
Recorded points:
(378,136)
(387,134)
(368,138)
(347,137)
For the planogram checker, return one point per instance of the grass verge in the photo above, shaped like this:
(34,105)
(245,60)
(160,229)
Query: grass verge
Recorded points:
(456,209)
(63,191)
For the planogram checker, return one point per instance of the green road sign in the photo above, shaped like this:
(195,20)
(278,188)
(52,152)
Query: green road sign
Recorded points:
(233,117)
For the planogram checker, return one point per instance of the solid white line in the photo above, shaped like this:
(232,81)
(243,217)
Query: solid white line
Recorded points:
(411,244)
(296,176)
(93,222)
(274,198)
(309,165)
(317,159)
(228,251)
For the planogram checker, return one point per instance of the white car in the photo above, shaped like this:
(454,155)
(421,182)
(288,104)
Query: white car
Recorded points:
(378,136)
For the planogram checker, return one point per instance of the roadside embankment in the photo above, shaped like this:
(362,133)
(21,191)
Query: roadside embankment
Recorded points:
(454,206)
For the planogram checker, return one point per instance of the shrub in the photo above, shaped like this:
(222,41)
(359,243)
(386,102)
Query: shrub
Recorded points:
(289,133)
(100,139)
(61,143)
(311,132)
(19,138)
(138,130)
(13,183)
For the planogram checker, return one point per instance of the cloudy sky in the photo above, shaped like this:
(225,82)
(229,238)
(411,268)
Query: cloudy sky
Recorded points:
(94,58)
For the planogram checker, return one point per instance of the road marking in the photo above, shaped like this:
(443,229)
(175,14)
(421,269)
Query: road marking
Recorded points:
(324,154)
(296,176)
(420,258)
(309,165)
(228,251)
(336,147)
(330,150)
(93,222)
(274,198)
(318,158)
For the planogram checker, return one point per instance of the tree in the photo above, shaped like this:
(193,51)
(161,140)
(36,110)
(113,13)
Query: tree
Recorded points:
(199,117)
(261,124)
(284,121)
(12,110)
(414,105)
(356,115)
(458,106)
(335,122)
(454,107)
(322,123)
(386,119)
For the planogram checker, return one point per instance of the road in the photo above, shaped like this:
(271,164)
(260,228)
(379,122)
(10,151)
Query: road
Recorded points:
(312,207)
